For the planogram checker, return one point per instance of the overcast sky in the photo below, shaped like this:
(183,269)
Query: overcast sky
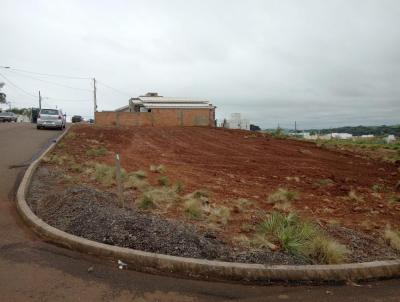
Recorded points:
(323,63)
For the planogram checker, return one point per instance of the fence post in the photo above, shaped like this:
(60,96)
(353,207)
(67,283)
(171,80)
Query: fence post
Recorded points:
(119,181)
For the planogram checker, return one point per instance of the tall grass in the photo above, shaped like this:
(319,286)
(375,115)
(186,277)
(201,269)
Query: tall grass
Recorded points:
(301,238)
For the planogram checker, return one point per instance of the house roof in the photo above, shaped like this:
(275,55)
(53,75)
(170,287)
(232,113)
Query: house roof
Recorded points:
(168,102)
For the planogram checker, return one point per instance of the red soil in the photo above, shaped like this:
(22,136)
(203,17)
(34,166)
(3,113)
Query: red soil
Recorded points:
(239,164)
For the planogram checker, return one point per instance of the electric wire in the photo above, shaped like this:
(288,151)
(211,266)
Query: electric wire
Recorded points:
(46,81)
(49,74)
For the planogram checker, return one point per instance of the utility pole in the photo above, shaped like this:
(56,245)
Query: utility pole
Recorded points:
(94,99)
(295,127)
(40,101)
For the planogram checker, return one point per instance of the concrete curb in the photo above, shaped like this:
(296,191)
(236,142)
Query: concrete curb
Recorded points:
(198,268)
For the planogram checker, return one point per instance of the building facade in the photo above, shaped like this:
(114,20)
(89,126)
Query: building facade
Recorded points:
(154,110)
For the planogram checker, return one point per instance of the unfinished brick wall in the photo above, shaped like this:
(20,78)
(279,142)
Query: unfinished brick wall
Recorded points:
(158,117)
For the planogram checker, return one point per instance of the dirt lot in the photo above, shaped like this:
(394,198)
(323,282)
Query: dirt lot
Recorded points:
(350,197)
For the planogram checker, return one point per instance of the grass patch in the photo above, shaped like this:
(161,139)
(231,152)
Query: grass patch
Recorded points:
(163,181)
(393,238)
(140,174)
(282,198)
(163,195)
(301,238)
(394,199)
(379,188)
(135,182)
(179,187)
(97,151)
(158,169)
(202,193)
(220,215)
(242,204)
(106,174)
(146,202)
(324,182)
(193,208)
(353,196)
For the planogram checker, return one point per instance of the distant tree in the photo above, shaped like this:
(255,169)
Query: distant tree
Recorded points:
(3,98)
(254,128)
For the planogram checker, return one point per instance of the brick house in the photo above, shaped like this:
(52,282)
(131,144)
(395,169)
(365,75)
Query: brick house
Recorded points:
(154,110)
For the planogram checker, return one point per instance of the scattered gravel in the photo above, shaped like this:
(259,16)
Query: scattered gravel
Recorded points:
(92,214)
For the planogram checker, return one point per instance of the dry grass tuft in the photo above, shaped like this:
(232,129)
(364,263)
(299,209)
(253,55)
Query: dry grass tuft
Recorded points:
(393,238)
(158,169)
(282,198)
(353,196)
(301,238)
(219,215)
(97,151)
(163,181)
(194,208)
(146,202)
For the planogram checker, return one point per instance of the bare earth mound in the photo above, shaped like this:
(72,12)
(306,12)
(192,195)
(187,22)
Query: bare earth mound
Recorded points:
(203,193)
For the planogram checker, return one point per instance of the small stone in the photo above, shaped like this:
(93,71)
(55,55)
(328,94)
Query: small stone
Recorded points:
(328,292)
(90,269)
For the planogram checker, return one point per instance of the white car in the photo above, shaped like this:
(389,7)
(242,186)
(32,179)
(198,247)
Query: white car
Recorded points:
(51,118)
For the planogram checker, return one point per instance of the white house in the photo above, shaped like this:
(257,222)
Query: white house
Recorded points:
(237,122)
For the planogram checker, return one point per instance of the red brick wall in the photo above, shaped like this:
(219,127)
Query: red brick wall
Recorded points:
(158,117)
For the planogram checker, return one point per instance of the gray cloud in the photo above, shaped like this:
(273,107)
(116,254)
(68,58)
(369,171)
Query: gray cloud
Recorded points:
(322,63)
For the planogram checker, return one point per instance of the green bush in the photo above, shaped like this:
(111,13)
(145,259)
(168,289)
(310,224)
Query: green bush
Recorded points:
(301,238)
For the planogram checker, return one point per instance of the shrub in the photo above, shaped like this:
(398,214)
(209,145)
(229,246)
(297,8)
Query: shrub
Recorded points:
(146,202)
(193,208)
(163,181)
(301,238)
(220,215)
(393,238)
(97,152)
(157,168)
(282,198)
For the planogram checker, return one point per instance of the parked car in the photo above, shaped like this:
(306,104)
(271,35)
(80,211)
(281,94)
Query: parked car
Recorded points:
(51,118)
(76,119)
(8,117)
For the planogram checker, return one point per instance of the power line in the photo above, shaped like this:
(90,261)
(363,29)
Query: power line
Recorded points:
(67,100)
(54,83)
(17,87)
(115,89)
(48,74)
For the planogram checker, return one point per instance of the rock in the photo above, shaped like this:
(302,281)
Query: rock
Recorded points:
(90,269)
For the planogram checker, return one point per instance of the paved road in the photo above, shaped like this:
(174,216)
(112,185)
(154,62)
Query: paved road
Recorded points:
(32,270)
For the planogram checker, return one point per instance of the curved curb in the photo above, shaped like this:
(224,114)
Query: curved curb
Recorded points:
(198,268)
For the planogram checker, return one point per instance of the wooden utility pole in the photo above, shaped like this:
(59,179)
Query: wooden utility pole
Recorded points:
(119,181)
(94,99)
(40,101)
